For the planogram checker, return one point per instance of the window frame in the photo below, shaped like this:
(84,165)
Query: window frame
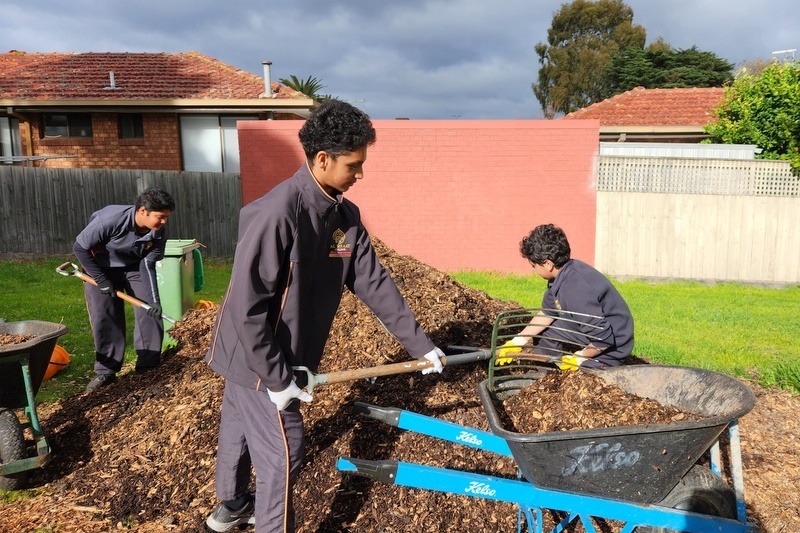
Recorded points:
(130,126)
(72,123)
(10,139)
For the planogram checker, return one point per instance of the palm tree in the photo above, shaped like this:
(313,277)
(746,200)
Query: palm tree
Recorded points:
(310,86)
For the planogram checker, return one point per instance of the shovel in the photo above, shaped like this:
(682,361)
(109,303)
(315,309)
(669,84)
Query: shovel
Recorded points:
(314,380)
(71,269)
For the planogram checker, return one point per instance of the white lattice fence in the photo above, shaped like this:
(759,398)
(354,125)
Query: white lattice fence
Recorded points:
(696,176)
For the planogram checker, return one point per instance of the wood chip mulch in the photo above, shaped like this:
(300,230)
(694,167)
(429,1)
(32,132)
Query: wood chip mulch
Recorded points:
(9,339)
(566,401)
(139,455)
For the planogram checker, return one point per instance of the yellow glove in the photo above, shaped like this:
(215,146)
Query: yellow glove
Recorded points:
(570,363)
(503,354)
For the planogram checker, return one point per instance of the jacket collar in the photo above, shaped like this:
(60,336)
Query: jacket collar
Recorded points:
(312,191)
(555,284)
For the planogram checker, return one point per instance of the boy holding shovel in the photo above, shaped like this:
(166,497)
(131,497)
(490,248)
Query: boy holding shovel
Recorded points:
(119,248)
(299,246)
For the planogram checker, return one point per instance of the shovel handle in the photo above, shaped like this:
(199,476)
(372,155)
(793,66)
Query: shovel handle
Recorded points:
(75,271)
(405,366)
(394,368)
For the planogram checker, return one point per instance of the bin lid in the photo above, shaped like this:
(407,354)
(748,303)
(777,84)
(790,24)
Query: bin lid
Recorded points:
(180,246)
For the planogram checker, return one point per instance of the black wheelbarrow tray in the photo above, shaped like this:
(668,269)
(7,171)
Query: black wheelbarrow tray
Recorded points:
(22,368)
(645,476)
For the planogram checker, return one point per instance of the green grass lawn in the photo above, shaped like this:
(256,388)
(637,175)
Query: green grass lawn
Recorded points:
(32,290)
(737,329)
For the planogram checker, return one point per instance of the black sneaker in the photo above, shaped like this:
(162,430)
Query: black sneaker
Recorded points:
(223,519)
(101,380)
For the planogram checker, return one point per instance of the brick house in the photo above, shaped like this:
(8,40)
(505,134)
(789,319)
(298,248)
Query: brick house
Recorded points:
(155,111)
(654,115)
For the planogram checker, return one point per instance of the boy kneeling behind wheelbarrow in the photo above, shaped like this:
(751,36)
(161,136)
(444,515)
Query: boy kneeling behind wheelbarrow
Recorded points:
(583,315)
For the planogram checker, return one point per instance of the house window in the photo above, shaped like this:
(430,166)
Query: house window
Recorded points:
(10,141)
(209,143)
(131,126)
(63,125)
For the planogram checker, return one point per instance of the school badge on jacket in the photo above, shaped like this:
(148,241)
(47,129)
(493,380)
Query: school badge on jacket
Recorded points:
(339,247)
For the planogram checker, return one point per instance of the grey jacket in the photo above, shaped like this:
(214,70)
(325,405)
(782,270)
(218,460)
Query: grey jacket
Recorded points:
(580,288)
(298,248)
(110,241)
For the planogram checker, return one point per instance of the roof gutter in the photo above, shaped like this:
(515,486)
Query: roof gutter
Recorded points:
(11,112)
(248,104)
(636,133)
(653,129)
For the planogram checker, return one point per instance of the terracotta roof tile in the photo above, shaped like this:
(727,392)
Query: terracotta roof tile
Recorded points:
(137,76)
(655,107)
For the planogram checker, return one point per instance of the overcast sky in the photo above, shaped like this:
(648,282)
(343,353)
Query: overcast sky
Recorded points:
(404,58)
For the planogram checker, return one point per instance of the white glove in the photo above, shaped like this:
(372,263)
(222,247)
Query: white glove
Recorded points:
(434,356)
(283,398)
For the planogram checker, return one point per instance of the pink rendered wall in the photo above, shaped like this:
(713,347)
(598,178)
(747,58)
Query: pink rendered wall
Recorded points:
(457,195)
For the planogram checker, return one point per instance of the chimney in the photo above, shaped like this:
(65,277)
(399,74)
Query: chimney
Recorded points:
(267,79)
(111,81)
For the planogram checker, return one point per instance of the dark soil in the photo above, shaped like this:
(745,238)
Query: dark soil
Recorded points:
(139,455)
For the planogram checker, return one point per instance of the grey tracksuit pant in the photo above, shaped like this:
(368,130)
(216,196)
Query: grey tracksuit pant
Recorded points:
(107,317)
(253,432)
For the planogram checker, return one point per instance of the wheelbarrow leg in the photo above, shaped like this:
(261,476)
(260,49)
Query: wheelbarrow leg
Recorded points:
(534,522)
(42,446)
(737,469)
(43,451)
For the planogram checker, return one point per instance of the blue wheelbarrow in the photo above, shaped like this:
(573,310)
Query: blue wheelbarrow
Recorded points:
(22,368)
(645,477)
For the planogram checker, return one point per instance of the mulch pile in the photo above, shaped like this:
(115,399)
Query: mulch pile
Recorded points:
(139,454)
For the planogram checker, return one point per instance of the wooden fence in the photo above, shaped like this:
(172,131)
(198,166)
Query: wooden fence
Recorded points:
(43,209)
(720,220)
(706,219)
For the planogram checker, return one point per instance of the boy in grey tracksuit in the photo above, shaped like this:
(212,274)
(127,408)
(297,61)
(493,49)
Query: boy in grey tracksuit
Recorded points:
(583,316)
(298,247)
(119,248)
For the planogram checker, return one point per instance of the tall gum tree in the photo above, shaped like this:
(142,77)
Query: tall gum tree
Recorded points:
(582,40)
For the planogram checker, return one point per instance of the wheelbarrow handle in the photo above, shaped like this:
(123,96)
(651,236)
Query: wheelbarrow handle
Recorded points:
(391,369)
(71,269)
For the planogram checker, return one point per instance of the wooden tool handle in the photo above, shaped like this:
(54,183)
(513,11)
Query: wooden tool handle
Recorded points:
(88,279)
(405,366)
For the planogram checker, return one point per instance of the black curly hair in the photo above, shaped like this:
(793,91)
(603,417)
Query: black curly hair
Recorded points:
(546,242)
(155,199)
(336,127)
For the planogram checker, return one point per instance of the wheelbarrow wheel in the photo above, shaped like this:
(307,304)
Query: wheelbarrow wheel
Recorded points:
(12,448)
(699,491)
